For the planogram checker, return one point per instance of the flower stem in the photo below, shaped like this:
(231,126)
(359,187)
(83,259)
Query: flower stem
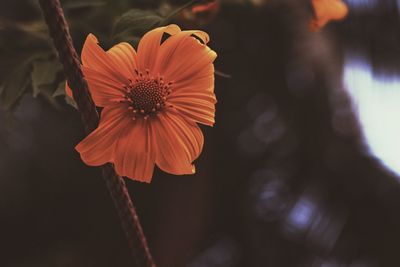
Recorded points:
(59,32)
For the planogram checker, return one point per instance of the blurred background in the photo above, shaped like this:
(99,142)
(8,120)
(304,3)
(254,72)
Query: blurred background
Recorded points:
(301,169)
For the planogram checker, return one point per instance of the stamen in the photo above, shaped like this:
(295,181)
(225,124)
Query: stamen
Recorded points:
(146,95)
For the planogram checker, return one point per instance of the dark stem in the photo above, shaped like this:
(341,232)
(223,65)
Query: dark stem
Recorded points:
(59,31)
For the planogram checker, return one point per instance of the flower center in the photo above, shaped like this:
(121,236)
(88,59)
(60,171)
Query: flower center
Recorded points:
(146,95)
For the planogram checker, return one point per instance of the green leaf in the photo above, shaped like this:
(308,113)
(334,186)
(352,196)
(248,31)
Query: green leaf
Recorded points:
(136,22)
(44,75)
(61,92)
(16,83)
(71,102)
(60,89)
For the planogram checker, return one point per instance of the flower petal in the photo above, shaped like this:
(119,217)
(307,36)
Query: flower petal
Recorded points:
(326,10)
(98,147)
(124,56)
(182,56)
(195,99)
(135,153)
(105,91)
(150,44)
(68,90)
(94,57)
(330,9)
(196,110)
(179,143)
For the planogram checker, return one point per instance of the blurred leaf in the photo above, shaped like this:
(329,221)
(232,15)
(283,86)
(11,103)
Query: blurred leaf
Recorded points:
(127,37)
(61,92)
(24,40)
(60,89)
(83,4)
(16,83)
(35,31)
(178,10)
(136,22)
(44,75)
(71,102)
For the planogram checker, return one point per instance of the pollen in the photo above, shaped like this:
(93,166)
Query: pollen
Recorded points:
(146,95)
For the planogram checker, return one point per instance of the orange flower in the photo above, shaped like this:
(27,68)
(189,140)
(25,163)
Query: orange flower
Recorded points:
(210,6)
(327,10)
(200,14)
(152,100)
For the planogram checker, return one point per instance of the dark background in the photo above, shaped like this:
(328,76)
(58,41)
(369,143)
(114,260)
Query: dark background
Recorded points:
(284,178)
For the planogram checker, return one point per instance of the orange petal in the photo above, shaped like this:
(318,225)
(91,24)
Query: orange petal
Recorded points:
(211,6)
(135,153)
(98,147)
(331,9)
(179,143)
(195,99)
(326,10)
(68,90)
(196,110)
(124,56)
(183,55)
(317,24)
(150,44)
(201,81)
(205,96)
(104,89)
(94,57)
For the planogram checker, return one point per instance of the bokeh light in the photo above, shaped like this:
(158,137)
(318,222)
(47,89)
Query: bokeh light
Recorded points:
(376,102)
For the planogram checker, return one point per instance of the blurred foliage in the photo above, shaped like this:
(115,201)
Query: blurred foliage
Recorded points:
(135,22)
(29,62)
